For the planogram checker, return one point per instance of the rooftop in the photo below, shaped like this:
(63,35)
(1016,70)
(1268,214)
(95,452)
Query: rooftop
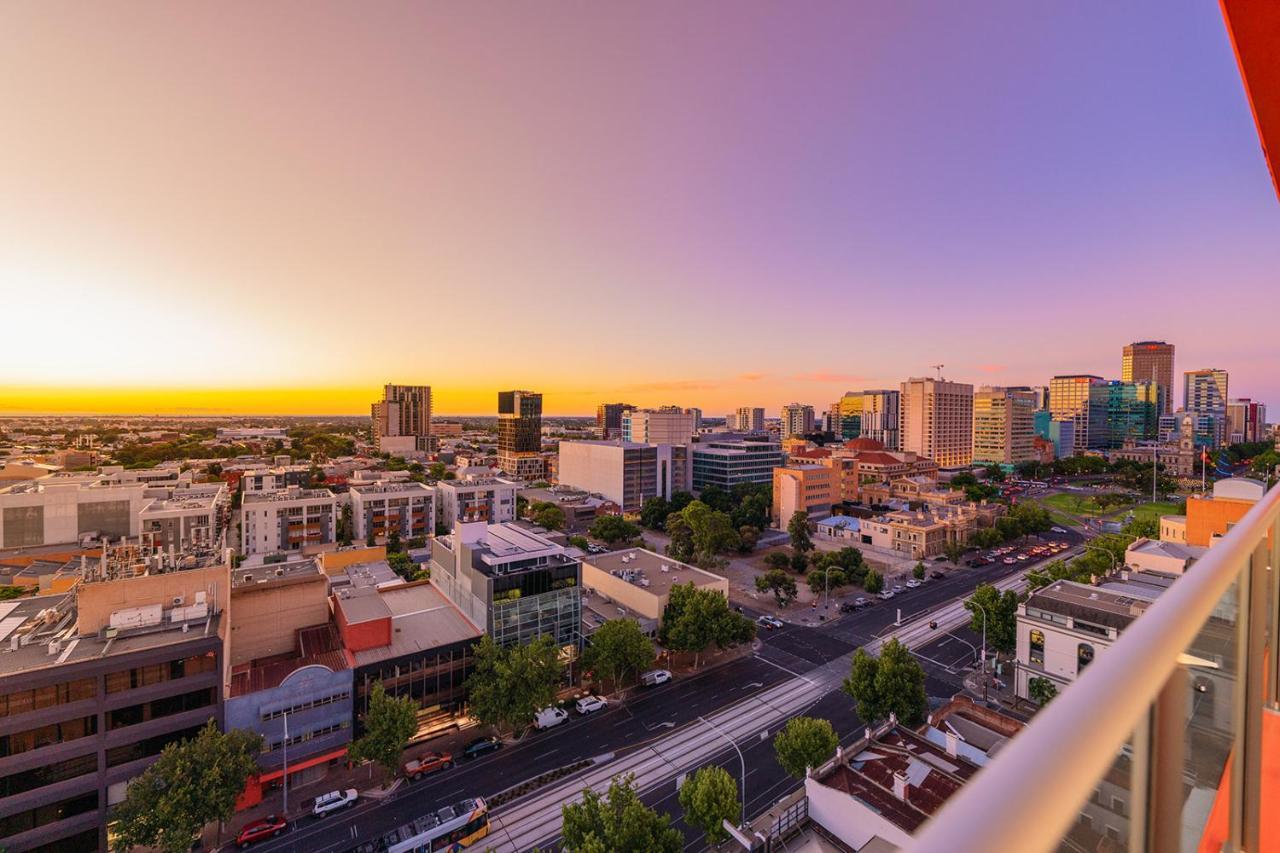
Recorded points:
(318,645)
(390,487)
(421,619)
(290,494)
(651,571)
(1112,608)
(263,572)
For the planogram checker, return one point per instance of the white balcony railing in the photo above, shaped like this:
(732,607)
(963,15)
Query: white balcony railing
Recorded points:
(1170,717)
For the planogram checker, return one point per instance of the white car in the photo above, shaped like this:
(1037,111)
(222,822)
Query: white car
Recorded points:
(769,622)
(913,583)
(886,595)
(1058,530)
(334,800)
(589,704)
(654,677)
(549,718)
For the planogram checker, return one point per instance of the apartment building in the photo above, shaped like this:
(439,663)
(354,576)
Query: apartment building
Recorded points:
(1246,421)
(275,478)
(1003,426)
(406,508)
(488,499)
(402,419)
(665,425)
(287,520)
(627,473)
(520,435)
(815,489)
(95,683)
(747,419)
(727,463)
(516,584)
(609,419)
(49,512)
(187,518)
(1204,392)
(1072,398)
(797,419)
(1150,361)
(880,417)
(936,420)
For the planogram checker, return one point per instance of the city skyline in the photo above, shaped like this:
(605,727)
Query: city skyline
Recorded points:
(288,237)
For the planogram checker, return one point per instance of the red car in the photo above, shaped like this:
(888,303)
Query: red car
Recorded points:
(260,830)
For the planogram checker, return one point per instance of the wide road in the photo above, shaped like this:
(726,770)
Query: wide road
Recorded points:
(650,717)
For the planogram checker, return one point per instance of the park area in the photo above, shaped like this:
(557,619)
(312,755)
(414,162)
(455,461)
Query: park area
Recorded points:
(1063,506)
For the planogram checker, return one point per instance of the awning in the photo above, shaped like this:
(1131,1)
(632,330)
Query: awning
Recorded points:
(295,766)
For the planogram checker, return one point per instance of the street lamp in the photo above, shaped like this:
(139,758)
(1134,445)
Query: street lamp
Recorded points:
(284,780)
(717,730)
(983,670)
(1115,562)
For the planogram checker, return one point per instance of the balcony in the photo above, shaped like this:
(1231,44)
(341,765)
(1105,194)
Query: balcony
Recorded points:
(1179,723)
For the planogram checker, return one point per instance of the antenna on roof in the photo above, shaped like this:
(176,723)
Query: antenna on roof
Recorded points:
(938,367)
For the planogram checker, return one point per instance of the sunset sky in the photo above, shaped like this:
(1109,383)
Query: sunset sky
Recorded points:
(277,208)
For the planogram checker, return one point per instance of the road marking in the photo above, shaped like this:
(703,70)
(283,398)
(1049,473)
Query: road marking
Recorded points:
(784,669)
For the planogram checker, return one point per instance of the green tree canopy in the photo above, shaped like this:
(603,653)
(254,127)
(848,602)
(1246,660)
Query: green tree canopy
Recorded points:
(613,529)
(694,618)
(918,570)
(618,821)
(712,531)
(798,530)
(781,584)
(892,683)
(777,560)
(618,648)
(681,545)
(192,783)
(1041,690)
(509,685)
(826,579)
(546,514)
(654,512)
(388,725)
(873,582)
(1001,614)
(804,742)
(709,797)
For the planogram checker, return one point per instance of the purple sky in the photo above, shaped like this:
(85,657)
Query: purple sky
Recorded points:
(712,204)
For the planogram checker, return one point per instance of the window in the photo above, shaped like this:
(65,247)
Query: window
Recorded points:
(42,815)
(1084,657)
(1037,647)
(159,708)
(38,777)
(148,747)
(22,701)
(20,742)
(142,676)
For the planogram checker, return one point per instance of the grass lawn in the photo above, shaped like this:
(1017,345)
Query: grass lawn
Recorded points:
(1155,510)
(1078,504)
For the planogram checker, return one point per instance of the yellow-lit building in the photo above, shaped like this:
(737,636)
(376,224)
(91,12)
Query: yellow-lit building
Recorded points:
(937,420)
(1003,425)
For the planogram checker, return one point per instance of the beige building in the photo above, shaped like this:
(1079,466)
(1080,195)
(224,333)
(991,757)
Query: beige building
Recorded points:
(402,419)
(748,419)
(270,603)
(797,419)
(626,473)
(1071,398)
(665,425)
(937,420)
(287,520)
(812,488)
(1003,426)
(641,580)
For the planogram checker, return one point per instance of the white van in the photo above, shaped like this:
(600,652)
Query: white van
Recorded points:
(654,677)
(549,717)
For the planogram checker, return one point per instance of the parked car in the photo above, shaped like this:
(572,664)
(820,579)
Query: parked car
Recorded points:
(549,717)
(913,584)
(1009,561)
(898,589)
(939,559)
(269,827)
(654,677)
(416,768)
(1058,529)
(334,800)
(861,602)
(481,746)
(936,575)
(590,704)
(886,595)
(769,622)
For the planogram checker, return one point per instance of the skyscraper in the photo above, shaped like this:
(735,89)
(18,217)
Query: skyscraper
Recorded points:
(797,419)
(880,417)
(1150,361)
(402,419)
(664,425)
(847,415)
(609,419)
(749,419)
(1204,392)
(1070,400)
(1003,425)
(936,420)
(1246,421)
(520,434)
(1132,411)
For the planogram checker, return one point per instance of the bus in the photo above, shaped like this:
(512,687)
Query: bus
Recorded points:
(448,829)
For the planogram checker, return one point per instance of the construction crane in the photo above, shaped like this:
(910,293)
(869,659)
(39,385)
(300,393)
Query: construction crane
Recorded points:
(938,367)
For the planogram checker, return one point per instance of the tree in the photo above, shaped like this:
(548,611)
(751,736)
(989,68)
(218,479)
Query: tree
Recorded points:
(826,579)
(344,526)
(618,648)
(777,560)
(654,512)
(617,821)
(954,551)
(918,570)
(1001,616)
(437,470)
(694,618)
(799,562)
(192,783)
(873,582)
(580,542)
(798,530)
(546,514)
(893,683)
(803,743)
(1030,518)
(988,537)
(1143,527)
(1041,690)
(388,725)
(508,685)
(369,541)
(995,474)
(712,531)
(748,536)
(613,529)
(781,584)
(393,542)
(709,797)
(401,564)
(681,545)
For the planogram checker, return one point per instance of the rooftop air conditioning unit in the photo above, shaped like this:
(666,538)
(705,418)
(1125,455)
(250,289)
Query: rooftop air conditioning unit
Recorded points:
(177,601)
